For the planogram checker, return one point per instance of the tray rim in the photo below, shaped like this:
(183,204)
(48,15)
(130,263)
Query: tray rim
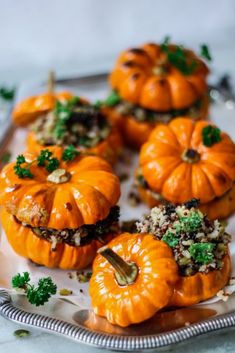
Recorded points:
(111,341)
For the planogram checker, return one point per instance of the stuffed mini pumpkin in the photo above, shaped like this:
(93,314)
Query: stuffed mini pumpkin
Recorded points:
(187,159)
(58,207)
(133,277)
(155,83)
(200,248)
(76,123)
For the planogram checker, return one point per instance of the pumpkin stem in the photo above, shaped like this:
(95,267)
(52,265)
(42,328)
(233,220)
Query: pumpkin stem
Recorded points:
(190,156)
(51,82)
(125,273)
(59,176)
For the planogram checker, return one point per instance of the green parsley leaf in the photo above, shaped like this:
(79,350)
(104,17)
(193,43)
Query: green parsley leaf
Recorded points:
(45,160)
(7,94)
(36,295)
(170,239)
(20,281)
(112,100)
(63,112)
(191,222)
(202,252)
(178,57)
(210,135)
(22,172)
(70,153)
(205,52)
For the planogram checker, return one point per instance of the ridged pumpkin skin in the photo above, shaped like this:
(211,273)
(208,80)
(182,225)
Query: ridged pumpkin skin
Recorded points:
(152,289)
(221,207)
(109,149)
(194,289)
(29,109)
(84,199)
(135,133)
(25,243)
(177,180)
(136,78)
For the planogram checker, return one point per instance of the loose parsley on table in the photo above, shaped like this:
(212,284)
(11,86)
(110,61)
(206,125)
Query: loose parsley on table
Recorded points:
(37,295)
(7,93)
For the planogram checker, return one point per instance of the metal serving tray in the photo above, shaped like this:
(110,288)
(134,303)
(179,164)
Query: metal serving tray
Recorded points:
(165,329)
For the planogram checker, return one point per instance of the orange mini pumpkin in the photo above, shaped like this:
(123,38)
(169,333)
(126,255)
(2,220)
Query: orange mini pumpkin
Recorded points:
(77,194)
(133,277)
(200,248)
(148,81)
(29,109)
(177,165)
(199,287)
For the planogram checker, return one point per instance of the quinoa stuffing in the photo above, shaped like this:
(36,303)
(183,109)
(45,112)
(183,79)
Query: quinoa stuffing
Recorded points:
(198,244)
(80,236)
(72,123)
(146,115)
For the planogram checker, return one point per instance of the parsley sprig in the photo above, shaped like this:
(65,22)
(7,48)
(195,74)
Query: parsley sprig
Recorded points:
(178,57)
(202,252)
(211,135)
(7,93)
(22,168)
(63,112)
(37,295)
(70,153)
(46,159)
(170,239)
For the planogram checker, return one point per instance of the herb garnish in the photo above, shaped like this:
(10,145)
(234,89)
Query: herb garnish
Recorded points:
(45,159)
(191,222)
(178,56)
(70,153)
(6,93)
(170,239)
(202,252)
(22,172)
(205,52)
(63,112)
(211,135)
(36,295)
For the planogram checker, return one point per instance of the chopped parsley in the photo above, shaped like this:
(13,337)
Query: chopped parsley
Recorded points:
(70,153)
(211,135)
(20,171)
(36,295)
(205,52)
(63,112)
(202,252)
(7,94)
(170,239)
(112,100)
(178,57)
(45,159)
(21,333)
(191,222)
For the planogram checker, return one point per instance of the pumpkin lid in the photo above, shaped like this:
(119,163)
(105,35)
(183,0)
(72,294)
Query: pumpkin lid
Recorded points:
(29,109)
(186,159)
(160,77)
(198,244)
(58,189)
